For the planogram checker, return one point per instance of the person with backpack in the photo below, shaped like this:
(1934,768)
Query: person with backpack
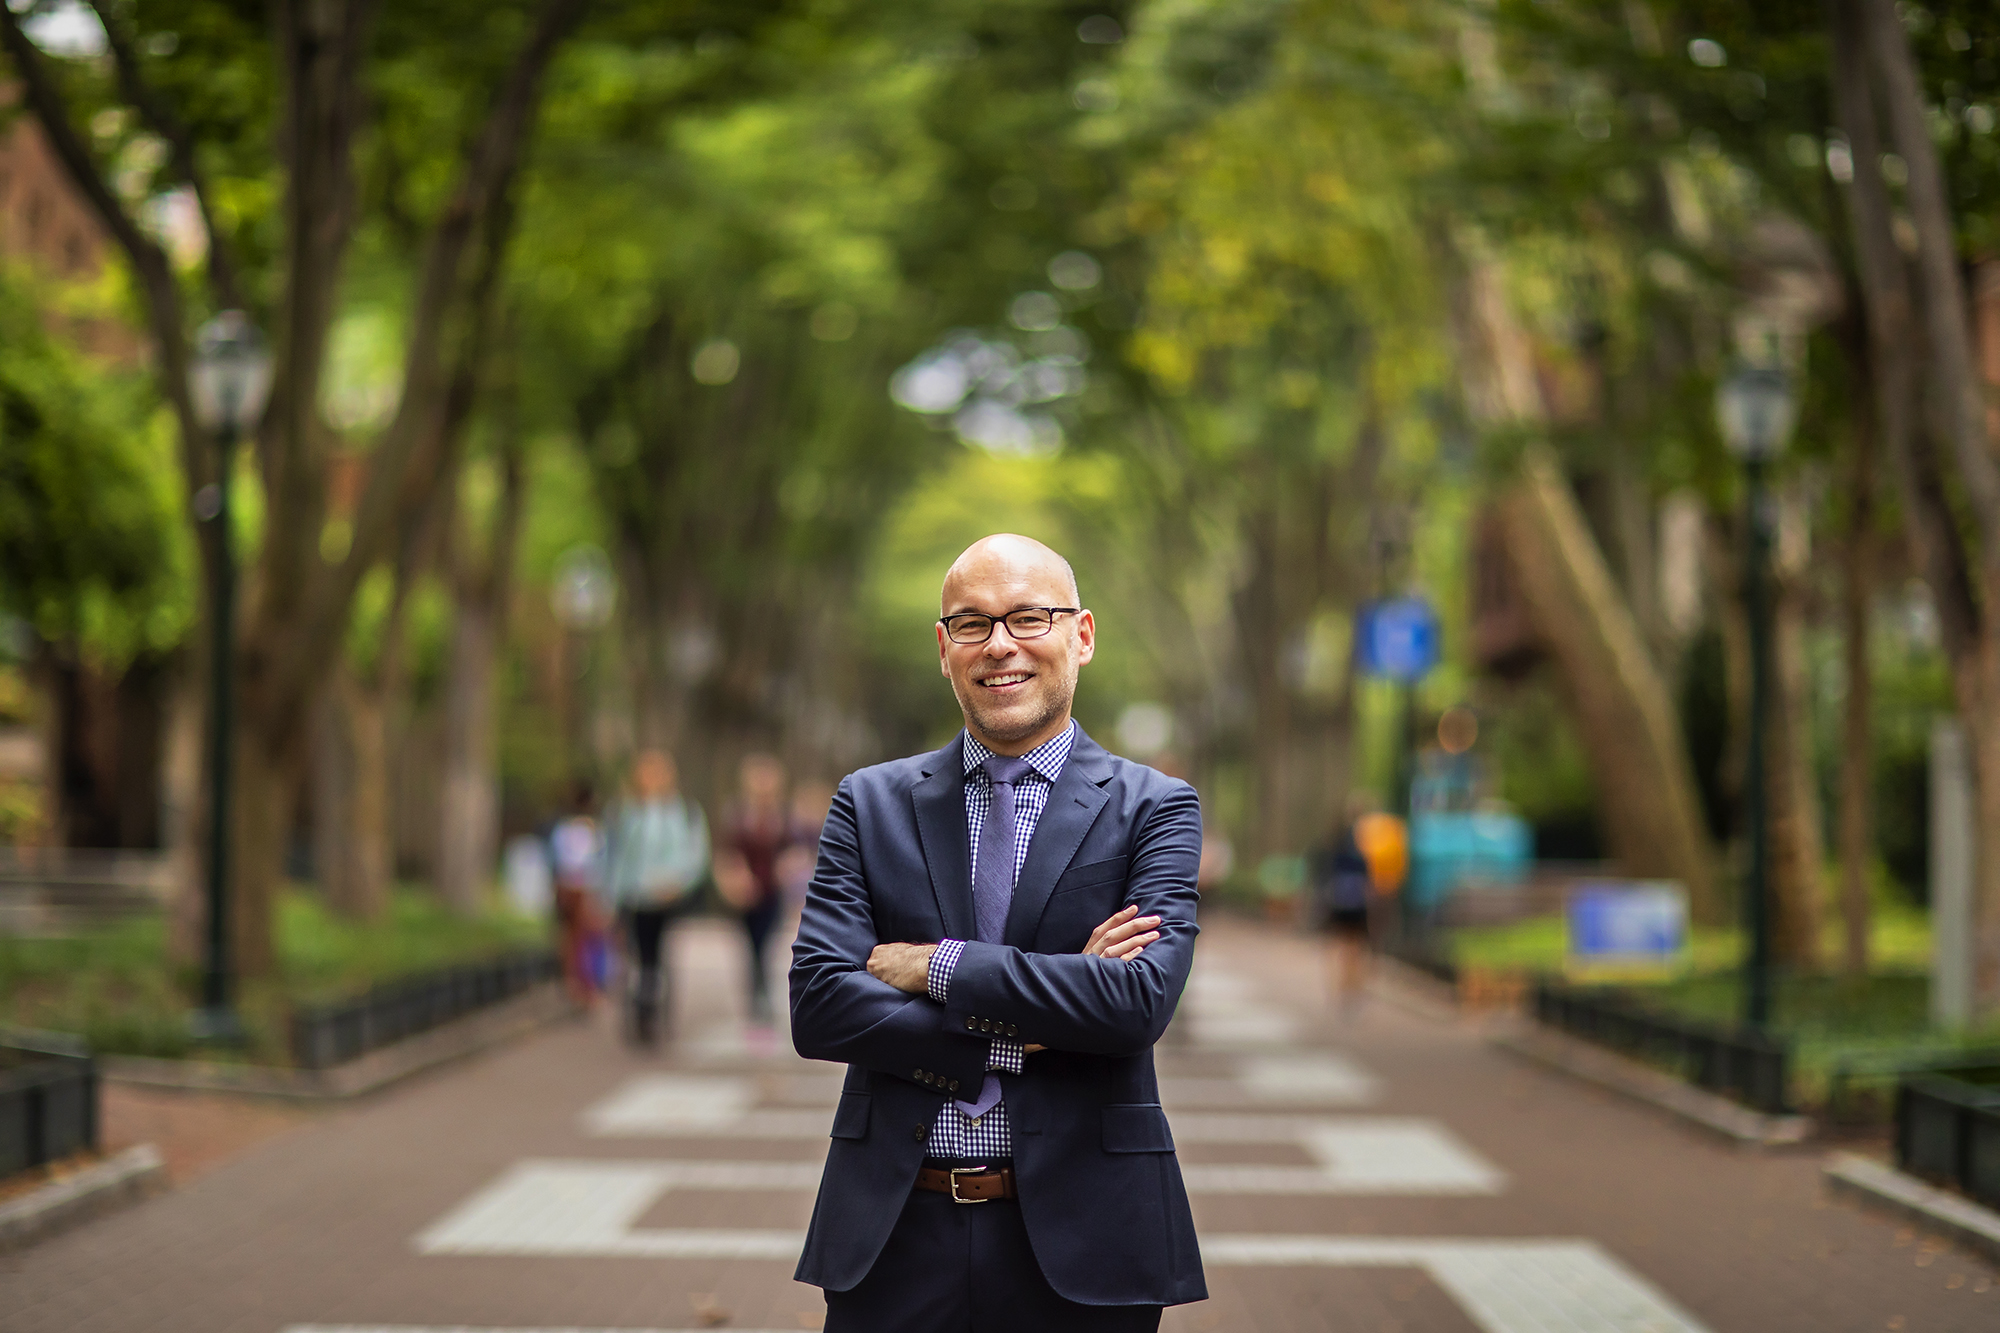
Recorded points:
(656,853)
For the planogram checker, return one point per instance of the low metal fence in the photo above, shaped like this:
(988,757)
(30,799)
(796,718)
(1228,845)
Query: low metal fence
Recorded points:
(48,1100)
(1748,1066)
(1948,1130)
(332,1034)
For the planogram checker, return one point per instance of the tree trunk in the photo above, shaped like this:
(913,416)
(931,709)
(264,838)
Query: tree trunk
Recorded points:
(333,802)
(470,794)
(1797,869)
(1984,731)
(1956,536)
(469,815)
(1624,711)
(1625,715)
(263,787)
(185,813)
(352,818)
(1857,737)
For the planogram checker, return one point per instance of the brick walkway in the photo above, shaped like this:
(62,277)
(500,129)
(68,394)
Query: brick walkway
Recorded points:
(1389,1174)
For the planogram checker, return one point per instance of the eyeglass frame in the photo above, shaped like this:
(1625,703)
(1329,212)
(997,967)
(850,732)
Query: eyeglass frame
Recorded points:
(944,622)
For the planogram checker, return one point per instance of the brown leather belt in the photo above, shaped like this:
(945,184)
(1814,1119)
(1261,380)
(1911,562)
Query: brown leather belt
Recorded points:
(969,1184)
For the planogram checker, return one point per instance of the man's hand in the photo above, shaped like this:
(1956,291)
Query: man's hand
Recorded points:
(1124,935)
(904,966)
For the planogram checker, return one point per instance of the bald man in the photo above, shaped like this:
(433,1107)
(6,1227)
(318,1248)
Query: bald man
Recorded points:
(996,936)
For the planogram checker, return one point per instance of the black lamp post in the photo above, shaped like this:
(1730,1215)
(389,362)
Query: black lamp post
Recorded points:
(229,383)
(1755,409)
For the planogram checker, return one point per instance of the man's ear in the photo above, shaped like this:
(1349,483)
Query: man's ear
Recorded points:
(944,660)
(1086,637)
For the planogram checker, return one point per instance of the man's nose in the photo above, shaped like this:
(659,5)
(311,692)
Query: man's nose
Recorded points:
(1000,643)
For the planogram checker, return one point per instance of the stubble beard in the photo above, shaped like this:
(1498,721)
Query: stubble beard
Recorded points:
(1009,730)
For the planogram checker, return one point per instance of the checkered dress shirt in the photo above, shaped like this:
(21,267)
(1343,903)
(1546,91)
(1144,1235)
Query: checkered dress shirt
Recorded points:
(957,1134)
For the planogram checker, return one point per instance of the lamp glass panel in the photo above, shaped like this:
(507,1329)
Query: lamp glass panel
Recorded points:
(1754,410)
(231,378)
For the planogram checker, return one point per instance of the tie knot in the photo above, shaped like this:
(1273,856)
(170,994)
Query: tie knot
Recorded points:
(1005,767)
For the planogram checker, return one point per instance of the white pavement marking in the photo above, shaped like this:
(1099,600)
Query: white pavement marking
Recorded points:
(1504,1286)
(1223,1013)
(646,1103)
(1356,1154)
(1307,1078)
(711,1104)
(576,1208)
(1383,1156)
(589,1207)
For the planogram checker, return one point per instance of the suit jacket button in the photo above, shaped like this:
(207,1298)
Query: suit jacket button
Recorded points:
(1013,1031)
(918,1075)
(985,1025)
(920,1133)
(954,1085)
(971,1024)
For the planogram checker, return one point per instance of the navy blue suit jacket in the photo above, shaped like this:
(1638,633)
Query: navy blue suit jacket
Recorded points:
(1100,1187)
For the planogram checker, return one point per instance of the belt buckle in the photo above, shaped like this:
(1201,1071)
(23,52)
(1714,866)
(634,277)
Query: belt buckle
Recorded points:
(958,1171)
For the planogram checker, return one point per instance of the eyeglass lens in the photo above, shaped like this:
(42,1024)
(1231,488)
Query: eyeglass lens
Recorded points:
(1026,624)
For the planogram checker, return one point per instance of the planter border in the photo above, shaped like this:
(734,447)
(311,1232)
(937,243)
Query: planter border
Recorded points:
(477,1031)
(1608,1069)
(1876,1184)
(97,1188)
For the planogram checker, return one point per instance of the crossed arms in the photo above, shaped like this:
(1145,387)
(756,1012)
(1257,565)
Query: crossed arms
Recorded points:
(861,1001)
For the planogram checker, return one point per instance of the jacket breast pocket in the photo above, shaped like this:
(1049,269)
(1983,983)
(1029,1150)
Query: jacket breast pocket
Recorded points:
(1092,874)
(1137,1128)
(850,1118)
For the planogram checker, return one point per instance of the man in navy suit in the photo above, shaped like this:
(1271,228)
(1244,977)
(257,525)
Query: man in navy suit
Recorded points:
(996,935)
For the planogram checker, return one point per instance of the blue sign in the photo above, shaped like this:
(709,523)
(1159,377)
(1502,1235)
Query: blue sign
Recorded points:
(1626,928)
(1398,638)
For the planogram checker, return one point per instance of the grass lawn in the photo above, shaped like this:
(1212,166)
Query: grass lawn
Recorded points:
(1832,1021)
(116,988)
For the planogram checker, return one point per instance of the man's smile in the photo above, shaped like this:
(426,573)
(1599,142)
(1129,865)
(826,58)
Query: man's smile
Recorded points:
(1006,680)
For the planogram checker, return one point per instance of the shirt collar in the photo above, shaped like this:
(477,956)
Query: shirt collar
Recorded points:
(1046,759)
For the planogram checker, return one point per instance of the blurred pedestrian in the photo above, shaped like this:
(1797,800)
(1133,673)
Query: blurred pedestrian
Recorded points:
(576,863)
(656,852)
(755,838)
(1344,880)
(810,800)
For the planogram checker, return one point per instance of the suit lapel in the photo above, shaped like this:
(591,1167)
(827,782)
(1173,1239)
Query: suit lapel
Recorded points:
(1073,805)
(940,805)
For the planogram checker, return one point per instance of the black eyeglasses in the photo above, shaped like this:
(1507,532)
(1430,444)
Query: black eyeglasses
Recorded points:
(1027,622)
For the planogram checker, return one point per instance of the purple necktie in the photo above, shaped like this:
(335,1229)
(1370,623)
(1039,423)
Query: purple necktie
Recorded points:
(993,883)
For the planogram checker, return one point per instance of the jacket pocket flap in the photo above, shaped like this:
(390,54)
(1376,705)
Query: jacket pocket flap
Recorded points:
(850,1118)
(1093,873)
(1138,1128)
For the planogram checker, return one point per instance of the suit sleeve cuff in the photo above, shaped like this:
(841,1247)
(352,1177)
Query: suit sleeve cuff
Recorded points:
(944,959)
(1006,1056)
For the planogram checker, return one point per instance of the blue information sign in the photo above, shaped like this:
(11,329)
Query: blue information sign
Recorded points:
(1633,927)
(1397,638)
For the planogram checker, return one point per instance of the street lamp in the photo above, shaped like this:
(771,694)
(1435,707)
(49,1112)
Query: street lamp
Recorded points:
(229,383)
(1755,408)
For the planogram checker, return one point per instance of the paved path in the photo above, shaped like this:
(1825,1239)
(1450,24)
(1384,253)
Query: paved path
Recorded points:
(1388,1175)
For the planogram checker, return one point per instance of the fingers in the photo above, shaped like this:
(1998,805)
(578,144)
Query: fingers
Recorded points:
(1117,918)
(1032,1047)
(1122,925)
(1124,933)
(1128,949)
